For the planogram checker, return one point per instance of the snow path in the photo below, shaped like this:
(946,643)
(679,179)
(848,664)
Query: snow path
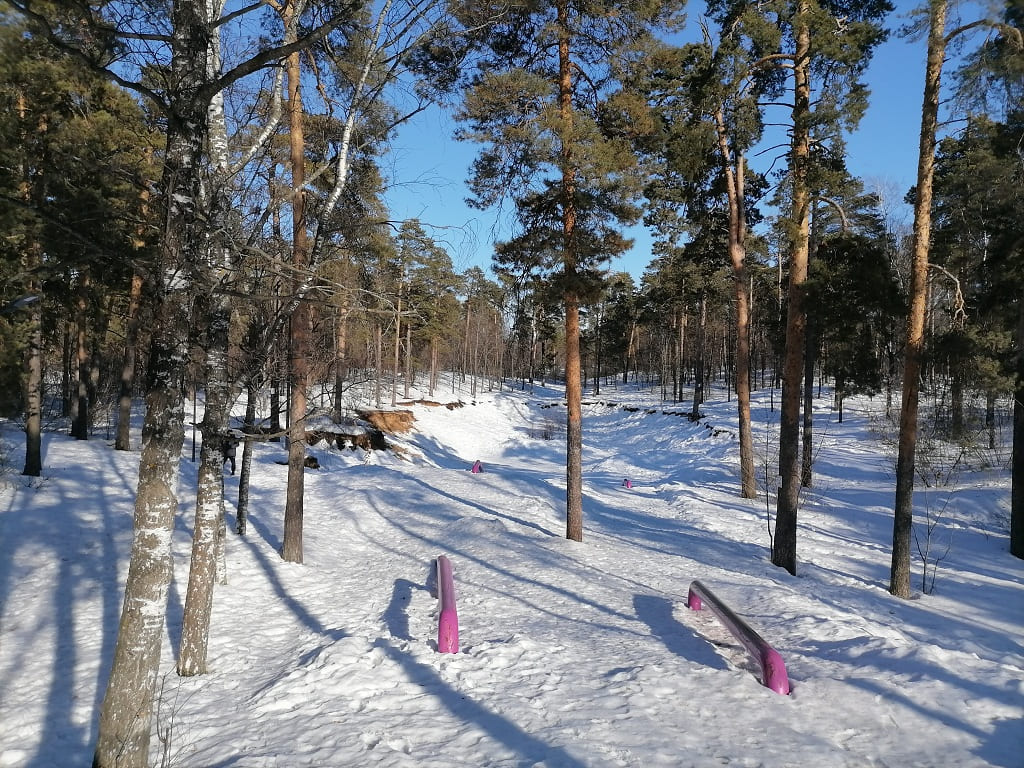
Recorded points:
(571,654)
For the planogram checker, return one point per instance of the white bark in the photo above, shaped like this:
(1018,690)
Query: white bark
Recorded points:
(214,314)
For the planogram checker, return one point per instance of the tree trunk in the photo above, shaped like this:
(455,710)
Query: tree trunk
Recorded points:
(378,361)
(735,171)
(245,472)
(34,390)
(34,357)
(899,577)
(784,541)
(340,360)
(573,385)
(122,442)
(126,713)
(476,357)
(990,416)
(807,437)
(276,428)
(433,364)
(214,316)
(683,320)
(1017,481)
(276,363)
(80,364)
(298,367)
(465,341)
(700,363)
(66,384)
(408,360)
(574,423)
(207,533)
(397,358)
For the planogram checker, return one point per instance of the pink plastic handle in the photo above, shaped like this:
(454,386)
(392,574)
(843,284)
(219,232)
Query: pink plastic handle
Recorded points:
(773,669)
(448,620)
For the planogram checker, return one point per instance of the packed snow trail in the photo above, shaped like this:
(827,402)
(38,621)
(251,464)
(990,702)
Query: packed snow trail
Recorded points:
(572,654)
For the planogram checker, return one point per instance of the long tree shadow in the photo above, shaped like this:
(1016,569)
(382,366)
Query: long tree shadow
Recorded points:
(296,607)
(507,570)
(534,751)
(84,541)
(1002,748)
(488,510)
(657,613)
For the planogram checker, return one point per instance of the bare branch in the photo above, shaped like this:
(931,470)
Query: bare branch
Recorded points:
(959,312)
(845,222)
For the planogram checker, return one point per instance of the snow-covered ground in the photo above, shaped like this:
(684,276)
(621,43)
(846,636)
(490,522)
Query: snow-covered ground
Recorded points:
(571,654)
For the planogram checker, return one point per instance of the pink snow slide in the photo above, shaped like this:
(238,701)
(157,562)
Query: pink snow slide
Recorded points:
(773,670)
(448,619)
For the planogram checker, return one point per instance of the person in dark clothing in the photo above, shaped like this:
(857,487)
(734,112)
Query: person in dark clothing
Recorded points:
(230,447)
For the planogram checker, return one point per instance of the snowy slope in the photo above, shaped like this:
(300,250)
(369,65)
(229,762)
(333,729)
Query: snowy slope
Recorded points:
(571,654)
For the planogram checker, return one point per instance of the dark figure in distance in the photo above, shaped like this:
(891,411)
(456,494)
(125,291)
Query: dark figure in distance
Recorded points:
(230,447)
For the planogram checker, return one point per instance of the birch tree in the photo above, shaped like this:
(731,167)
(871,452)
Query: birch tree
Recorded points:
(177,47)
(213,318)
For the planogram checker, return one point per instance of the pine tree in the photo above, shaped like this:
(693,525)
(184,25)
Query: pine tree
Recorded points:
(993,80)
(433,285)
(74,151)
(938,39)
(301,318)
(540,69)
(704,106)
(826,47)
(852,283)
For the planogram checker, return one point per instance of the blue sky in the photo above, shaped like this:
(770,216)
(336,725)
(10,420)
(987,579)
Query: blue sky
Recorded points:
(429,167)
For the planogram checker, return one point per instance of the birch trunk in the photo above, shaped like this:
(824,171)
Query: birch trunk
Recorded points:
(213,315)
(126,712)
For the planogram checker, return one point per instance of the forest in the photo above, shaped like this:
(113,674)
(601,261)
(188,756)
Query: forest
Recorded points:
(193,199)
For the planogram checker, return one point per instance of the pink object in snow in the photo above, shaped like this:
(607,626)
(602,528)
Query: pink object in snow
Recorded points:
(448,620)
(477,467)
(627,483)
(773,669)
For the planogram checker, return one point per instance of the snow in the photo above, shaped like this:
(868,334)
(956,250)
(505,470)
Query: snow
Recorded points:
(571,654)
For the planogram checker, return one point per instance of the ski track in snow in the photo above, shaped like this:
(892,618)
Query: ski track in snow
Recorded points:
(570,654)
